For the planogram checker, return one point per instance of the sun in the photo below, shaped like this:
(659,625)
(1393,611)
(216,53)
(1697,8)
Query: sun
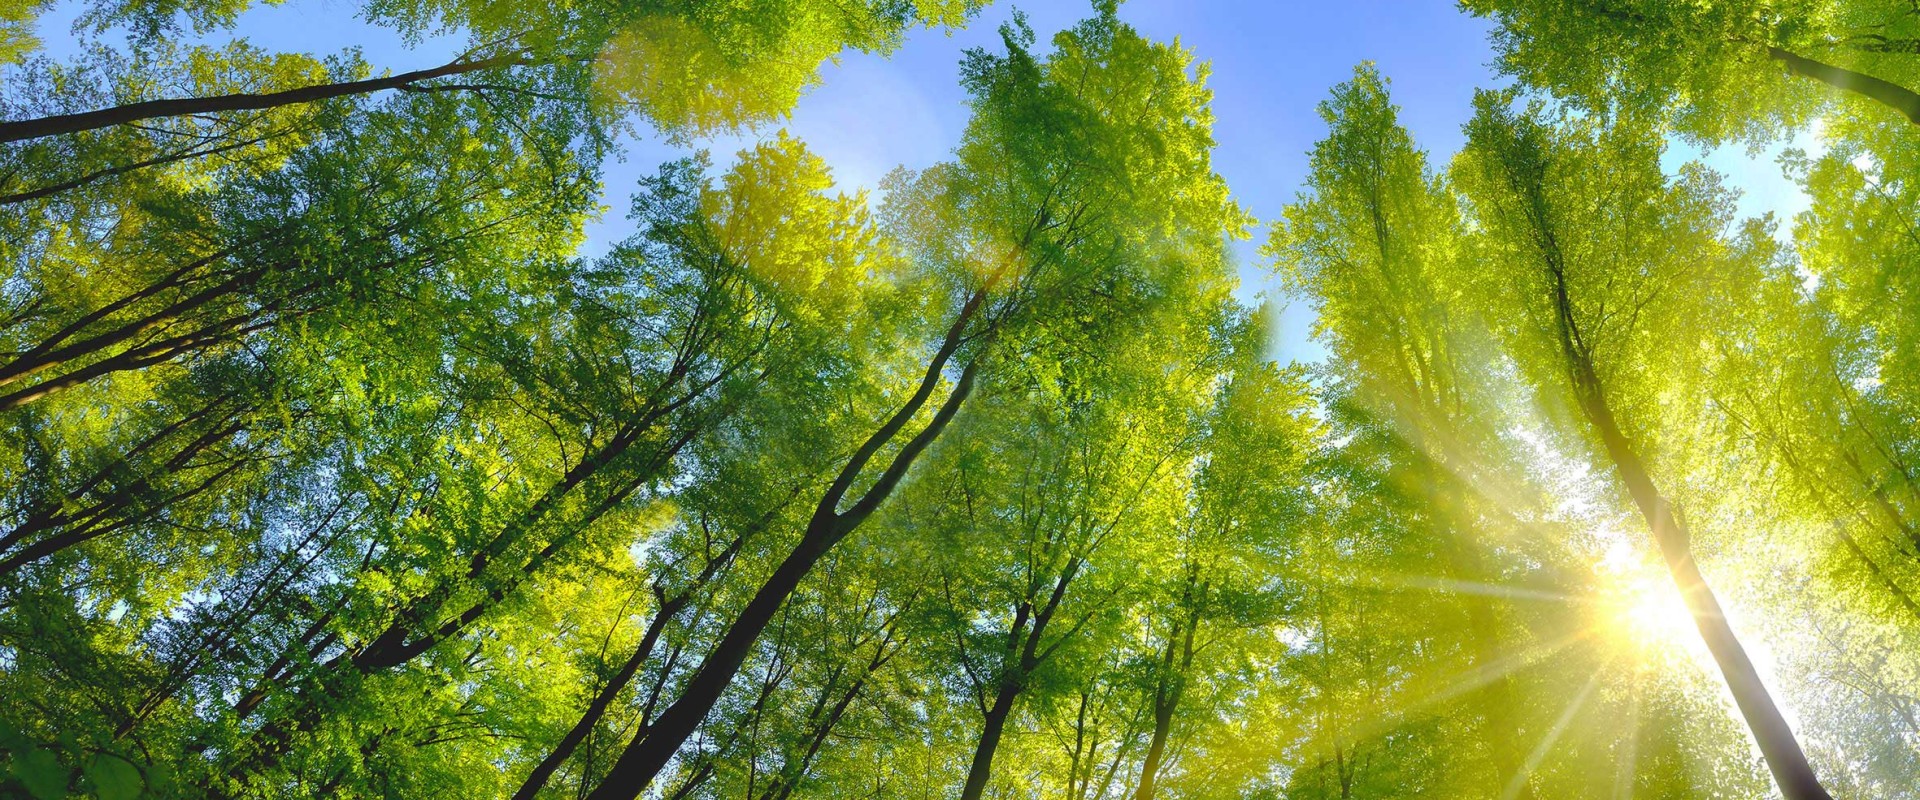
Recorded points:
(1654,614)
(1639,608)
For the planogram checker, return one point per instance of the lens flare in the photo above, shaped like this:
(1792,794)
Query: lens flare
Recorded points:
(1640,609)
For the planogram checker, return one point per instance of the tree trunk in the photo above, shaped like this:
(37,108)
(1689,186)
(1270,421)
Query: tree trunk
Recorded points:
(1172,682)
(649,753)
(134,112)
(598,707)
(1785,760)
(636,768)
(1164,701)
(996,724)
(52,189)
(1899,594)
(1889,94)
(1782,752)
(669,607)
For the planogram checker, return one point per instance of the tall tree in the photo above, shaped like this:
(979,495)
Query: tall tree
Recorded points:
(1593,294)
(1019,231)
(1737,69)
(1376,240)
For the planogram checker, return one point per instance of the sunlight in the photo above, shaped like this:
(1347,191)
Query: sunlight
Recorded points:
(1640,608)
(1519,781)
(1653,614)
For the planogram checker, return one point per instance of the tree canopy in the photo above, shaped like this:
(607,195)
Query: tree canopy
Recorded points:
(332,464)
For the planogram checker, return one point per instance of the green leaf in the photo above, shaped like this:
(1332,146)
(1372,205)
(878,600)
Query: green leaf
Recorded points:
(113,778)
(42,774)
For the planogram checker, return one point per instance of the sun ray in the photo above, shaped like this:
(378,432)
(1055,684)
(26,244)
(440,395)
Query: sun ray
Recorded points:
(1477,677)
(1484,674)
(1623,777)
(1477,588)
(1547,742)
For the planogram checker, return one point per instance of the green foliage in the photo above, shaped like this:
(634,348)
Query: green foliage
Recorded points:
(330,467)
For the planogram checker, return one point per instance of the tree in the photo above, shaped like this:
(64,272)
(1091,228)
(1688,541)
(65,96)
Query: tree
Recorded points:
(1744,69)
(1377,241)
(733,65)
(332,465)
(1583,293)
(1018,230)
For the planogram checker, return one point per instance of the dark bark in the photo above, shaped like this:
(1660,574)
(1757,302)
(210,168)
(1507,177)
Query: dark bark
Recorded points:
(158,352)
(1788,763)
(129,504)
(824,719)
(402,640)
(649,752)
(995,725)
(597,708)
(21,130)
(1175,663)
(1785,760)
(218,640)
(1023,656)
(101,174)
(394,647)
(55,350)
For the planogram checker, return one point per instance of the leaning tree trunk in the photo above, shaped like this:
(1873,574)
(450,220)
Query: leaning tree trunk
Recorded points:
(1788,763)
(1887,93)
(648,754)
(990,733)
(21,130)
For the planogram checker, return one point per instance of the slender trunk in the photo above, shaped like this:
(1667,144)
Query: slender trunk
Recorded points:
(392,648)
(1076,789)
(75,183)
(782,785)
(1788,763)
(158,352)
(655,746)
(1899,594)
(21,130)
(598,708)
(643,759)
(62,510)
(1023,656)
(79,535)
(996,724)
(47,355)
(823,719)
(1889,94)
(1345,775)
(669,607)
(1164,701)
(1172,682)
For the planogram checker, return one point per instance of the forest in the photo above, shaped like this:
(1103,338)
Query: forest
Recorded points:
(334,463)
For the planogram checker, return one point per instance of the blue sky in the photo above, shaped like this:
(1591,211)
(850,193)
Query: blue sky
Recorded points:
(1271,63)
